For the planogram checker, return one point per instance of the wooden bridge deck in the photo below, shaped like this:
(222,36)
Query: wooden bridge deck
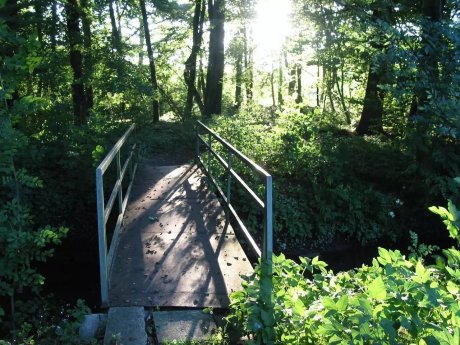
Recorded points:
(176,248)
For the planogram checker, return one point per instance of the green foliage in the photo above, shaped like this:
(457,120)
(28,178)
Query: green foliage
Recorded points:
(41,323)
(21,243)
(396,300)
(329,183)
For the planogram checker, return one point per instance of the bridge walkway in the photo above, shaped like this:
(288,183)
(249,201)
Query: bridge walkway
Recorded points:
(176,248)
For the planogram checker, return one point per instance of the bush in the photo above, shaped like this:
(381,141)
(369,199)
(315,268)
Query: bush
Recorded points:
(396,300)
(329,183)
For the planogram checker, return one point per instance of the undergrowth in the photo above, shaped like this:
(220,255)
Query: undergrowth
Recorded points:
(395,300)
(331,185)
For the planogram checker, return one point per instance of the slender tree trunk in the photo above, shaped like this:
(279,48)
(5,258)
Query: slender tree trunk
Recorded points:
(238,79)
(76,62)
(342,97)
(292,75)
(280,85)
(116,35)
(10,17)
(190,64)
(201,77)
(141,42)
(272,87)
(428,64)
(299,98)
(153,73)
(215,74)
(86,12)
(38,6)
(54,25)
(329,89)
(248,72)
(318,101)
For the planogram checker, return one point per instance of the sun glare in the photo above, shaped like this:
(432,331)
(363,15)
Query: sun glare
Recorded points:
(271,27)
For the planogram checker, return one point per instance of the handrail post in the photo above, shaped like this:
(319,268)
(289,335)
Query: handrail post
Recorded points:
(102,236)
(229,179)
(197,142)
(268,220)
(266,261)
(209,153)
(120,191)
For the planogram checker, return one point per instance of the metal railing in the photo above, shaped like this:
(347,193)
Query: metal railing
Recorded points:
(103,212)
(231,174)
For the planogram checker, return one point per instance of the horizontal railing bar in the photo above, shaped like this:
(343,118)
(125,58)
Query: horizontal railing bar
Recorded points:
(246,233)
(113,245)
(236,175)
(125,166)
(116,188)
(248,189)
(219,157)
(111,201)
(111,155)
(261,171)
(128,191)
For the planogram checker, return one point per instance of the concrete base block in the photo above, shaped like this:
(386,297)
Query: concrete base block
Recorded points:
(183,325)
(91,325)
(125,326)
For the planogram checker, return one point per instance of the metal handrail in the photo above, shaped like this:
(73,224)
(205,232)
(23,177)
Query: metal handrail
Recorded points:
(265,204)
(103,212)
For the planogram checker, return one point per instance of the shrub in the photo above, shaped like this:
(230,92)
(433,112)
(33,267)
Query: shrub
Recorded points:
(396,300)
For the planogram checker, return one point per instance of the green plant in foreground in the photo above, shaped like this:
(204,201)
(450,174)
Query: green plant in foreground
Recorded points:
(396,300)
(21,243)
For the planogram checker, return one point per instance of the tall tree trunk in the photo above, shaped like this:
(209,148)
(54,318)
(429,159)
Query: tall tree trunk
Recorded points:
(299,98)
(372,113)
(11,18)
(141,42)
(215,74)
(292,75)
(86,13)
(54,25)
(318,101)
(431,10)
(280,85)
(272,87)
(190,64)
(201,77)
(248,72)
(38,6)
(342,96)
(238,79)
(76,62)
(153,73)
(371,121)
(116,35)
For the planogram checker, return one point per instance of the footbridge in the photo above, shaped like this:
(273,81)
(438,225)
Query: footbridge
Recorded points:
(170,236)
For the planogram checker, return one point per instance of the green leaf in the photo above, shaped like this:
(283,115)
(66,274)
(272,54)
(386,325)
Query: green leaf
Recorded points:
(329,303)
(342,303)
(388,327)
(377,290)
(452,287)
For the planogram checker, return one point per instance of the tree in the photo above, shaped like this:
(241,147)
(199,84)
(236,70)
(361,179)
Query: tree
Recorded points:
(371,121)
(86,18)
(215,71)
(80,110)
(190,64)
(153,73)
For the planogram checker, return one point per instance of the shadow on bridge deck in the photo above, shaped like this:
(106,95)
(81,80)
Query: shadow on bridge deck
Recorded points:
(176,248)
